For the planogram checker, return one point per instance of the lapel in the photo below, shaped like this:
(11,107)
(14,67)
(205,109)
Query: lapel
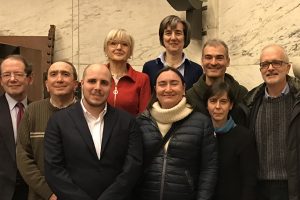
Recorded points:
(6,128)
(109,122)
(76,113)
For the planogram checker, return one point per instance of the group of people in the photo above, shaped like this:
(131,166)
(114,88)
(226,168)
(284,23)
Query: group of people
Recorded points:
(201,135)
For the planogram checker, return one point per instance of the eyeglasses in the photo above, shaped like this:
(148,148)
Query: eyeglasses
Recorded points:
(115,43)
(275,64)
(16,75)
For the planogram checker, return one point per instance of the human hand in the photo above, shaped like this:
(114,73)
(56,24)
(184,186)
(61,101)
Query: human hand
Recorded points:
(53,197)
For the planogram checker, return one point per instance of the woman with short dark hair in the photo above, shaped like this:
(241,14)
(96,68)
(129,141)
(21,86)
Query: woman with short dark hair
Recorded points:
(174,36)
(237,155)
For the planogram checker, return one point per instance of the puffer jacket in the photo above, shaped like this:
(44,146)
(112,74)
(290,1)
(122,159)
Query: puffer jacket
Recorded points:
(187,170)
(253,101)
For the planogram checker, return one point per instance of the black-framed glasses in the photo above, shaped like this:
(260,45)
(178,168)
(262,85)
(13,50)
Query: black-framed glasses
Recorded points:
(16,75)
(275,63)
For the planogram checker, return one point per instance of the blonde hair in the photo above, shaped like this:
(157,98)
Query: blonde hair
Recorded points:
(121,35)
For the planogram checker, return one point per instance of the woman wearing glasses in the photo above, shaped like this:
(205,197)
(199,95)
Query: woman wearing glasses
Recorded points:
(130,89)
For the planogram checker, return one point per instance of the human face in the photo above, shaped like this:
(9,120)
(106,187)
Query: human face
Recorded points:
(118,50)
(215,61)
(60,80)
(174,39)
(16,84)
(96,85)
(169,89)
(274,76)
(218,107)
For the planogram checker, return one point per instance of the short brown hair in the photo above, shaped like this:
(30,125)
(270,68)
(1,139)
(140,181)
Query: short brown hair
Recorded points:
(172,21)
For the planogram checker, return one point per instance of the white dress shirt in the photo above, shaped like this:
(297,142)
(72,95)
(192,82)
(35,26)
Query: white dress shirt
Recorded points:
(96,127)
(180,67)
(14,111)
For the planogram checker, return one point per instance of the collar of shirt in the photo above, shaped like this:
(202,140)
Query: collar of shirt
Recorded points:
(89,117)
(64,106)
(14,111)
(181,66)
(12,102)
(285,91)
(96,127)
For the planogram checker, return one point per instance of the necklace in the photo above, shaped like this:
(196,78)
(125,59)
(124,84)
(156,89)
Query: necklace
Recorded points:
(117,76)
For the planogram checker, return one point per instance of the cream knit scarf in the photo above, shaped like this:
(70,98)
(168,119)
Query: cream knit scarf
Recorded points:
(166,117)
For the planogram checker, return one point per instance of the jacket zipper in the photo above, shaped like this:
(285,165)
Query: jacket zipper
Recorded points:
(162,184)
(115,92)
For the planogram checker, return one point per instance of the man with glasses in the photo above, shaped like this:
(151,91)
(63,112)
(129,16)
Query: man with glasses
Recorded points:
(275,121)
(215,60)
(61,84)
(15,77)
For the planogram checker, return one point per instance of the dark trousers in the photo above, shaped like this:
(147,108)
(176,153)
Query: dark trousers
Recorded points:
(272,190)
(21,189)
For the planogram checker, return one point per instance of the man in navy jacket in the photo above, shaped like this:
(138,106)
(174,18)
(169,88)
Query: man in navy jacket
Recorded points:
(92,150)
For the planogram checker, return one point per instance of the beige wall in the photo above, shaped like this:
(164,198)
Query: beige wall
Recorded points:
(245,25)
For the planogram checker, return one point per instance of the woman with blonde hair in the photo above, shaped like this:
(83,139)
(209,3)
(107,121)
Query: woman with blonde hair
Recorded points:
(130,89)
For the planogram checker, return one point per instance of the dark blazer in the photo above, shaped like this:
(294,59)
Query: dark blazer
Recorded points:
(72,168)
(8,166)
(192,71)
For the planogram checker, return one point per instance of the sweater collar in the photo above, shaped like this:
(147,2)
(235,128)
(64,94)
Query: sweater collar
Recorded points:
(176,113)
(285,91)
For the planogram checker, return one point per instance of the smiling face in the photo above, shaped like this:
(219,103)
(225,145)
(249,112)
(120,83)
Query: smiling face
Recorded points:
(14,79)
(215,61)
(169,89)
(118,50)
(173,39)
(60,80)
(218,107)
(118,45)
(96,85)
(274,76)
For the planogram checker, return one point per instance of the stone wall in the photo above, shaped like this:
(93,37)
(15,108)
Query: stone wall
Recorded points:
(248,26)
(245,25)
